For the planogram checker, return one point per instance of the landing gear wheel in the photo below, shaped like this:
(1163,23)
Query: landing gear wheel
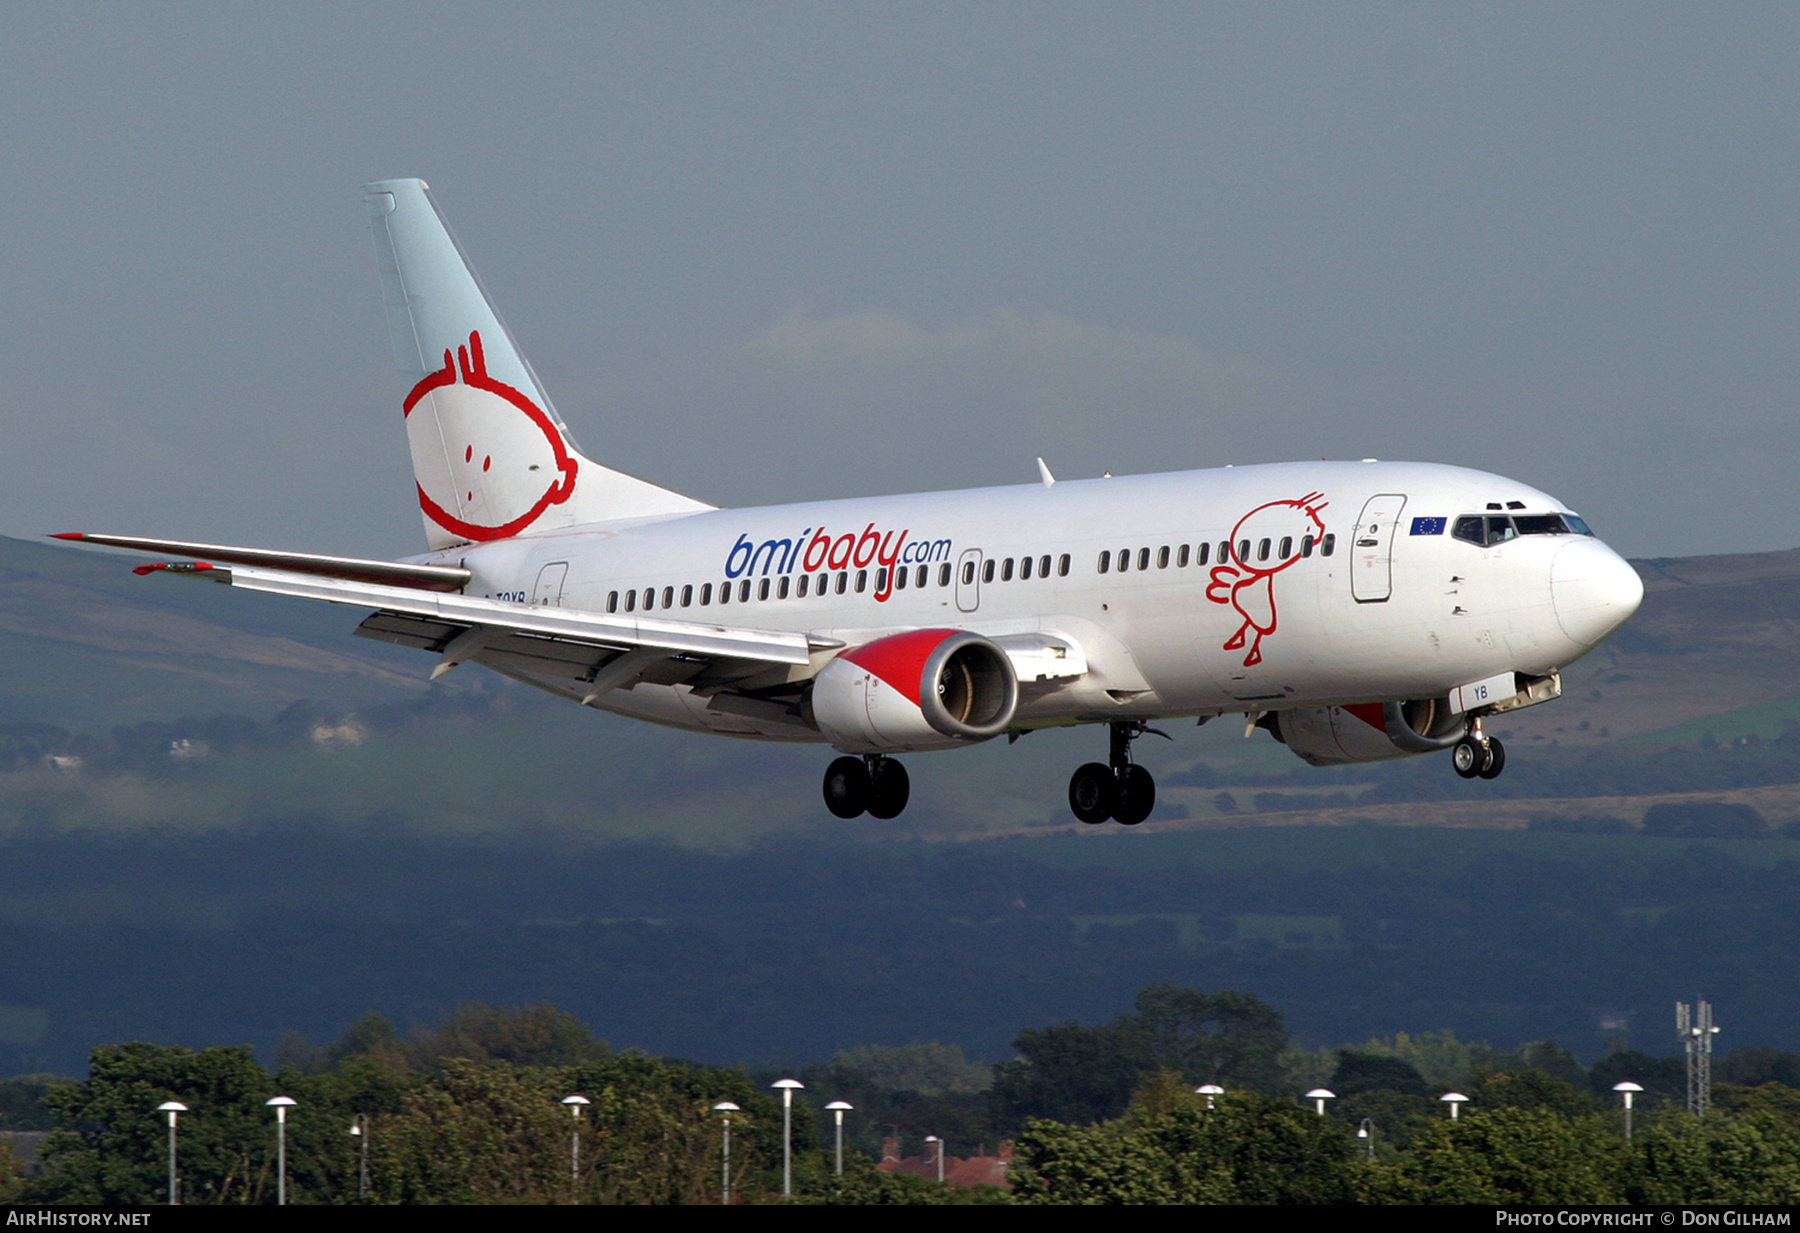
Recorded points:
(1496,760)
(1137,796)
(888,788)
(847,787)
(1468,757)
(1091,793)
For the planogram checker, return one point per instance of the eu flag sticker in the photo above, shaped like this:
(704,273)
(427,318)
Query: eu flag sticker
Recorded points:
(1428,526)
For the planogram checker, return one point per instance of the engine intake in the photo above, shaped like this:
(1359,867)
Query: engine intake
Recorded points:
(1369,732)
(924,689)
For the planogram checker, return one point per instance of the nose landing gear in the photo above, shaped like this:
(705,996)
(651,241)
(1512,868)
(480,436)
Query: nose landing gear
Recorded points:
(1477,755)
(1122,791)
(872,784)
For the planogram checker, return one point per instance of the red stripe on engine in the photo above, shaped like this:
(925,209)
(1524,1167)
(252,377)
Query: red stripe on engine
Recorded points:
(900,659)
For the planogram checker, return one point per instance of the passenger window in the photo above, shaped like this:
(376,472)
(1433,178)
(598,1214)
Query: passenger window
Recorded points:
(1044,566)
(862,580)
(843,581)
(987,570)
(943,574)
(1181,557)
(668,597)
(631,601)
(1105,561)
(1224,553)
(1024,569)
(1243,552)
(649,598)
(744,591)
(1162,557)
(1143,558)
(1306,545)
(781,588)
(924,575)
(724,592)
(1006,570)
(1328,545)
(612,601)
(1287,547)
(1262,550)
(968,572)
(706,595)
(881,580)
(1062,566)
(800,587)
(687,596)
(1124,559)
(1201,553)
(900,576)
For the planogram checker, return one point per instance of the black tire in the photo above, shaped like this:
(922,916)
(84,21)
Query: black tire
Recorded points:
(1137,796)
(1468,757)
(847,787)
(889,788)
(1496,760)
(1091,793)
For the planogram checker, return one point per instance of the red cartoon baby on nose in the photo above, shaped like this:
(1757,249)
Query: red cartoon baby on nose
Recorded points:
(1265,541)
(487,459)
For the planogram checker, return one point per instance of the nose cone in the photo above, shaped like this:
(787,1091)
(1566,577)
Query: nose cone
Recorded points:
(1593,589)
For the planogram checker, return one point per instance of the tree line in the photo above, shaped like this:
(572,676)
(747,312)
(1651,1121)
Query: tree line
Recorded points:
(471,1112)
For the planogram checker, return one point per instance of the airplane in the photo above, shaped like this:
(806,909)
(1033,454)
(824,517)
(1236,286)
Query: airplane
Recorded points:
(1355,610)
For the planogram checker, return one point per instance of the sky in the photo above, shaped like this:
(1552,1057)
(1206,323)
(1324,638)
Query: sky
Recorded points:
(775,252)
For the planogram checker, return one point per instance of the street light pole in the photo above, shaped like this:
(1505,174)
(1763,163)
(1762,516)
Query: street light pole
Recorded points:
(359,1131)
(1627,1090)
(840,1107)
(727,1108)
(174,1108)
(1210,1091)
(1319,1095)
(575,1104)
(1366,1132)
(787,1087)
(1455,1100)
(937,1151)
(281,1104)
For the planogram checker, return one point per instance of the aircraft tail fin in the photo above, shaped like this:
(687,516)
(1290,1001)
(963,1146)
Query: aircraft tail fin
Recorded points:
(491,458)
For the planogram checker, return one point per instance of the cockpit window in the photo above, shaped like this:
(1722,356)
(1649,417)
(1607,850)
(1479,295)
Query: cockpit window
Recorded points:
(1488,530)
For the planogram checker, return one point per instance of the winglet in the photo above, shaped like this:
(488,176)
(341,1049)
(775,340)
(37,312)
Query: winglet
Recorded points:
(1044,472)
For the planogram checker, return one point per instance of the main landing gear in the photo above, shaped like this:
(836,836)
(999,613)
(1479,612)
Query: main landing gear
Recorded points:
(872,784)
(1477,755)
(1122,791)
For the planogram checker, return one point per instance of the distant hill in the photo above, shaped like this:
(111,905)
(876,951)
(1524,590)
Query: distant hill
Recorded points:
(88,645)
(1717,636)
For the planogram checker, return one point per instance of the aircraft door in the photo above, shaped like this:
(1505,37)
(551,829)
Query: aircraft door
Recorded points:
(1372,549)
(968,580)
(549,589)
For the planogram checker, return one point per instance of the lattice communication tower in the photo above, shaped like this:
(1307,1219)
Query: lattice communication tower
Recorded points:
(1695,1027)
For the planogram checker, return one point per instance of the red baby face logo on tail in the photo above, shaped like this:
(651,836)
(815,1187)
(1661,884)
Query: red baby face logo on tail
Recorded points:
(488,460)
(1265,541)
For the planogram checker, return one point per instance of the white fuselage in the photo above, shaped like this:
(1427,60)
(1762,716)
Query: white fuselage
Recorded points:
(1399,608)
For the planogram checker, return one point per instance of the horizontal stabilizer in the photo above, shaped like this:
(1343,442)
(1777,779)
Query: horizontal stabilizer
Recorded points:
(351,569)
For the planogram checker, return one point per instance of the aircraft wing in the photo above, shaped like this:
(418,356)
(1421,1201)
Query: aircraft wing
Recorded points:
(392,573)
(568,651)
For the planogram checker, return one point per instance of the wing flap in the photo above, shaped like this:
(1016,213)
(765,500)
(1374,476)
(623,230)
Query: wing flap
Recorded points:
(509,620)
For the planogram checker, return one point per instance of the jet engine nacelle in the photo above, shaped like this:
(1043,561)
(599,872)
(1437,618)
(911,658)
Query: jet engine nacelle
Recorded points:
(1369,732)
(924,689)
